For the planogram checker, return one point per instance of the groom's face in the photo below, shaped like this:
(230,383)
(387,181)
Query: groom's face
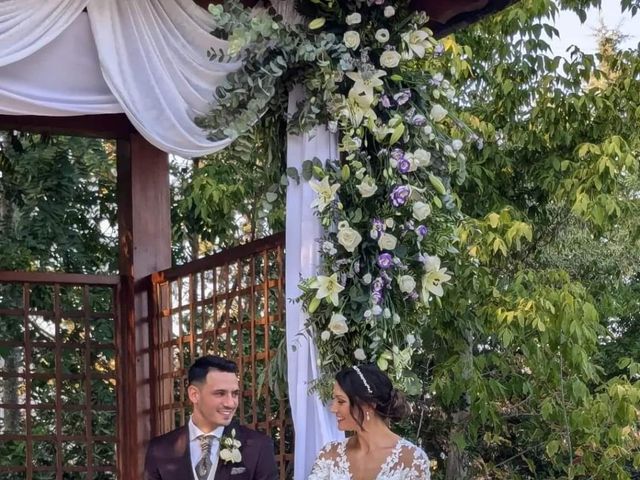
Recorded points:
(215,400)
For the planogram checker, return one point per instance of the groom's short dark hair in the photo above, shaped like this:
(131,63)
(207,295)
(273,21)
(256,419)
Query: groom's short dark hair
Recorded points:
(203,365)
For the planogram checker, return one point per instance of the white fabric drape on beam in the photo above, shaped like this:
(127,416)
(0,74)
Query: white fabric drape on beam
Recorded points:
(28,25)
(314,424)
(62,78)
(153,57)
(146,58)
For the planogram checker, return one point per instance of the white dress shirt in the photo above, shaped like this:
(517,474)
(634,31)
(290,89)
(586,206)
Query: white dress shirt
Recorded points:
(196,450)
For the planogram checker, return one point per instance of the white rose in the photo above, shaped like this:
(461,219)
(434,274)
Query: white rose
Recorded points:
(389,222)
(342,224)
(422,157)
(376,310)
(367,314)
(236,456)
(359,354)
(438,113)
(226,455)
(387,241)
(396,318)
(325,335)
(338,324)
(349,238)
(448,151)
(367,187)
(407,283)
(366,279)
(389,11)
(382,35)
(353,19)
(421,210)
(457,144)
(386,313)
(390,59)
(411,339)
(351,39)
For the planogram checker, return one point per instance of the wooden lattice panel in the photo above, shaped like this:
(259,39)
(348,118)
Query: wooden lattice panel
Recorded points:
(58,377)
(230,304)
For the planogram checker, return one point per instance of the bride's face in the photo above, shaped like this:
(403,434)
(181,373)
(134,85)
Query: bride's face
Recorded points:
(340,406)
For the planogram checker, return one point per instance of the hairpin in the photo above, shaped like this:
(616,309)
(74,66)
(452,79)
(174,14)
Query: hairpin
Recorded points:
(357,370)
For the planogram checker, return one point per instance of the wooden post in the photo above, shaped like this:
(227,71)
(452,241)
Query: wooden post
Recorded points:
(144,223)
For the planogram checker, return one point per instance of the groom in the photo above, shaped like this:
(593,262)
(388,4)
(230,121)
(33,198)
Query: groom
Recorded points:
(212,446)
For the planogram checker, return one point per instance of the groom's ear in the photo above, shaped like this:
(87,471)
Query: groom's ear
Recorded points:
(194,393)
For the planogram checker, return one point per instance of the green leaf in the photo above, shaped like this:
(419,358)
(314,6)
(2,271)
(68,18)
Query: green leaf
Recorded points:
(317,23)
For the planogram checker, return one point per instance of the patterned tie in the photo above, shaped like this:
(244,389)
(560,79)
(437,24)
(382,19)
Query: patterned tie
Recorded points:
(203,467)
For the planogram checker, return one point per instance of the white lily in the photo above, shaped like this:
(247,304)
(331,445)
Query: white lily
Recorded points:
(328,287)
(364,84)
(326,193)
(433,278)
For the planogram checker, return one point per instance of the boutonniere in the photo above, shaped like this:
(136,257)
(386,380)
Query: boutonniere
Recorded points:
(230,448)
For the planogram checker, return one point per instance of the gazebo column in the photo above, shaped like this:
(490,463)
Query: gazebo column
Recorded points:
(144,224)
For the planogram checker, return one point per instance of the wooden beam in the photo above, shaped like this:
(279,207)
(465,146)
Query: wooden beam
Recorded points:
(115,125)
(144,223)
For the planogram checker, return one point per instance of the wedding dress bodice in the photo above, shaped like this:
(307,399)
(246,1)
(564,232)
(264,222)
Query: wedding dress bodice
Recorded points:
(406,462)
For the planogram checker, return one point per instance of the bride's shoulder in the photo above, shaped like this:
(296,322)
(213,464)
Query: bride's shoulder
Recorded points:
(332,449)
(411,453)
(410,446)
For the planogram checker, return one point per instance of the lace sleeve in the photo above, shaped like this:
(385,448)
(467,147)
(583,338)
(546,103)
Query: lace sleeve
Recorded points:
(421,465)
(413,462)
(323,465)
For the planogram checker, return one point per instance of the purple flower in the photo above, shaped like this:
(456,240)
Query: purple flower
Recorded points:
(422,231)
(418,120)
(385,260)
(414,295)
(397,153)
(376,297)
(378,284)
(439,50)
(386,101)
(399,195)
(377,224)
(403,165)
(402,96)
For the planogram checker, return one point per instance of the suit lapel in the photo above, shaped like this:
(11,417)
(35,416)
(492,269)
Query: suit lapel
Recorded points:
(186,467)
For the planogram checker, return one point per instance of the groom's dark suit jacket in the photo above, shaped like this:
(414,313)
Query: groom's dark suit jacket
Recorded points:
(168,457)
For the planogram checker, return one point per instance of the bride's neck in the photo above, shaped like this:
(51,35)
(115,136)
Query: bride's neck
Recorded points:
(375,435)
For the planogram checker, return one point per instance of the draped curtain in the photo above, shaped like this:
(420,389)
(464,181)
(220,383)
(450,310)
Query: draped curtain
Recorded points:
(314,424)
(146,58)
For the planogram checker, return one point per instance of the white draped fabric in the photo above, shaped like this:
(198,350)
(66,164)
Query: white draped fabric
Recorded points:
(314,424)
(146,58)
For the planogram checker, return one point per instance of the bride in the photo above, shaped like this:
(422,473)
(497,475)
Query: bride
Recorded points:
(364,401)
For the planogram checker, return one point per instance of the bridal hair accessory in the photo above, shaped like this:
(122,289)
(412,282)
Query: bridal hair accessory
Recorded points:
(366,384)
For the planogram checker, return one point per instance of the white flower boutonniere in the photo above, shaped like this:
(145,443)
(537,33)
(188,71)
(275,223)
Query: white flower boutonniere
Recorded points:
(230,448)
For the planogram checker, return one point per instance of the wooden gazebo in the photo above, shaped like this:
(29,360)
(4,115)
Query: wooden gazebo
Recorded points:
(151,353)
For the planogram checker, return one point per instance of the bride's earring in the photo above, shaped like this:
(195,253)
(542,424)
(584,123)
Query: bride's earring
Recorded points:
(368,415)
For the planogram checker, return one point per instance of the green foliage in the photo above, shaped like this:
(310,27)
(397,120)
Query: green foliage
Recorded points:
(57,204)
(236,195)
(532,355)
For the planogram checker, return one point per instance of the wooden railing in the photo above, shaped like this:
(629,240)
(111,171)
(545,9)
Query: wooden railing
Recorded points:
(230,304)
(59,376)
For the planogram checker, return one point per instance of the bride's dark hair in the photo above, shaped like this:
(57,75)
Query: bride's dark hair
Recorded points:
(368,385)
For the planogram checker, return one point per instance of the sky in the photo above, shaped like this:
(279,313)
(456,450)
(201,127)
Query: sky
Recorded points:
(572,32)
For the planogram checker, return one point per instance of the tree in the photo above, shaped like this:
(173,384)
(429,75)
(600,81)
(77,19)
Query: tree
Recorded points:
(520,384)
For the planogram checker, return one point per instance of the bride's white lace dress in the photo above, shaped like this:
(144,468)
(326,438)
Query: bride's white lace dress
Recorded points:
(406,462)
